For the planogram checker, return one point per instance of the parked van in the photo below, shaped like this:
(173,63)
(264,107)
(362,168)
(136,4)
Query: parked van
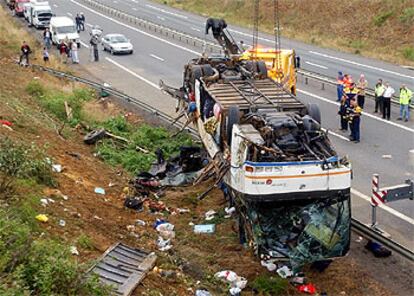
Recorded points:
(62,27)
(38,13)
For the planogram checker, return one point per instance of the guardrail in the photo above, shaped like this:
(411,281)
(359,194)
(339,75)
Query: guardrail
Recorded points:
(139,103)
(156,28)
(357,226)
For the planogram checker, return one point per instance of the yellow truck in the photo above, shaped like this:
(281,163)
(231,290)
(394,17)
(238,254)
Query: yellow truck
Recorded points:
(280,65)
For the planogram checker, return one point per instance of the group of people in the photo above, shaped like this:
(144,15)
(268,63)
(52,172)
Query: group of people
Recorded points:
(68,49)
(383,97)
(351,96)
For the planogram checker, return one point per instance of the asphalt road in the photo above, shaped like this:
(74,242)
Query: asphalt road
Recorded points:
(158,58)
(313,58)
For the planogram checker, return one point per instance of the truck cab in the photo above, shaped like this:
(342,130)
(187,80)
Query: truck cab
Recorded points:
(63,28)
(38,14)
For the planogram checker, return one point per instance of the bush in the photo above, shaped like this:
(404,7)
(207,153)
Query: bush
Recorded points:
(144,136)
(20,161)
(266,285)
(36,89)
(39,267)
(381,18)
(408,53)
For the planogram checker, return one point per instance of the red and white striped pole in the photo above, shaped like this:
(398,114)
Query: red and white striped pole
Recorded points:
(377,197)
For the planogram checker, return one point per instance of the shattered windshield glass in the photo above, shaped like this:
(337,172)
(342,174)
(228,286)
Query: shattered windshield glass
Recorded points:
(304,231)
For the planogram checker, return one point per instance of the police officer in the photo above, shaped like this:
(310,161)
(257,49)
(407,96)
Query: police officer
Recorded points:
(355,121)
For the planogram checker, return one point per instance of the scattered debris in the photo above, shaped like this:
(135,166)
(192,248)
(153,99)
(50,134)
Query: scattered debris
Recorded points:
(94,136)
(6,123)
(182,211)
(97,217)
(42,218)
(134,203)
(298,280)
(359,239)
(74,250)
(210,215)
(166,230)
(377,249)
(202,293)
(123,268)
(62,223)
(229,212)
(57,168)
(140,223)
(46,201)
(99,190)
(387,156)
(74,154)
(204,228)
(163,245)
(308,288)
(284,272)
(269,265)
(156,206)
(237,283)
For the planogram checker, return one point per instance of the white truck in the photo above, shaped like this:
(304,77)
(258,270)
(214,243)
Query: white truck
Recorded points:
(63,28)
(290,188)
(38,13)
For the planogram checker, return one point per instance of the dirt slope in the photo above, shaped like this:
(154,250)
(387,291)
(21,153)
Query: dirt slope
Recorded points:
(377,28)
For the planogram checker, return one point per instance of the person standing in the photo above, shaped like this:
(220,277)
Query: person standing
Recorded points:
(94,48)
(386,109)
(78,21)
(355,116)
(82,21)
(47,38)
(351,92)
(405,100)
(362,84)
(45,55)
(339,86)
(379,92)
(343,113)
(63,51)
(25,52)
(74,51)
(297,62)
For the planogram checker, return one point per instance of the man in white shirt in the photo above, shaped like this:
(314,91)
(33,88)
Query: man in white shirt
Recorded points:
(386,107)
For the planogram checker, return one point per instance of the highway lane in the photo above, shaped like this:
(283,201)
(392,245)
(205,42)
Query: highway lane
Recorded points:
(313,58)
(142,64)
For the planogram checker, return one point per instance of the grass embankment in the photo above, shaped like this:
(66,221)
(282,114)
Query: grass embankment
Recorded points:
(382,29)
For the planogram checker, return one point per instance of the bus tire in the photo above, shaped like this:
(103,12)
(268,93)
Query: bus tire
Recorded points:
(314,112)
(233,117)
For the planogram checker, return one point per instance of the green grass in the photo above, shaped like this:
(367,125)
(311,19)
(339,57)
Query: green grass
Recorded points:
(54,100)
(270,285)
(408,53)
(85,242)
(382,17)
(407,16)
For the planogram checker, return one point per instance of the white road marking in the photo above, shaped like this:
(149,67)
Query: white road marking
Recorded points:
(133,8)
(89,25)
(154,85)
(384,207)
(195,29)
(166,11)
(316,65)
(54,5)
(84,44)
(361,65)
(336,135)
(364,113)
(135,29)
(157,57)
(69,14)
(160,18)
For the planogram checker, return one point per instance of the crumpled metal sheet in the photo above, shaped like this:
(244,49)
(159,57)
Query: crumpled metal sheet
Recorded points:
(303,231)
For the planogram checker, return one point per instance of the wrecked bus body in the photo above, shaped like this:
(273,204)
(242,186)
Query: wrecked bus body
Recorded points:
(290,188)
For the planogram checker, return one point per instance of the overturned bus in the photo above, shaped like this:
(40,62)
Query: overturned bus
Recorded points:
(290,188)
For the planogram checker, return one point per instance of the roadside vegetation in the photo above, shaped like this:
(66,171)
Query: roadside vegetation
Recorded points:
(381,29)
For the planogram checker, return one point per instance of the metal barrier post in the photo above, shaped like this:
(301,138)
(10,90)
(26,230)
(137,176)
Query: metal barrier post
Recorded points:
(374,202)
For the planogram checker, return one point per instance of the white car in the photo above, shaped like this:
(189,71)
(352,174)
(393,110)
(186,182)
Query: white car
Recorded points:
(117,43)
